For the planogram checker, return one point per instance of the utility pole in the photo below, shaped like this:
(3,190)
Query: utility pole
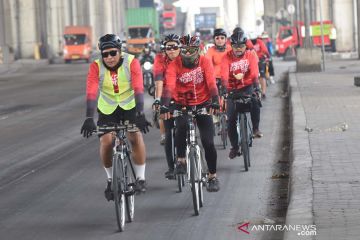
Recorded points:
(322,36)
(4,49)
(358,25)
(307,42)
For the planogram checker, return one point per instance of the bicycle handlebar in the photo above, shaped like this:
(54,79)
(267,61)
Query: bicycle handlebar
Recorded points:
(190,111)
(115,128)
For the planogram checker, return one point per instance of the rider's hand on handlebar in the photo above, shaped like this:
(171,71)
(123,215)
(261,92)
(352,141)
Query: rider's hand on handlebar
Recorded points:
(165,112)
(88,127)
(142,123)
(156,104)
(215,105)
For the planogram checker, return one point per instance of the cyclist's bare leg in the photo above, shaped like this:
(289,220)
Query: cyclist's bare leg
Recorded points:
(162,128)
(263,85)
(138,147)
(106,150)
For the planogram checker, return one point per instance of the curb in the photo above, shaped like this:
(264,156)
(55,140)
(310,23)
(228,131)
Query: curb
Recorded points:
(300,208)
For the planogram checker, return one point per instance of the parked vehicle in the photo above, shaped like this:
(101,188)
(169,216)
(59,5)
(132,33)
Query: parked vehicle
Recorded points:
(77,43)
(289,38)
(142,28)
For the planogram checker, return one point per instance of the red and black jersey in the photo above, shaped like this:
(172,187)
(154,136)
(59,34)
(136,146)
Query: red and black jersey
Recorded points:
(190,87)
(247,64)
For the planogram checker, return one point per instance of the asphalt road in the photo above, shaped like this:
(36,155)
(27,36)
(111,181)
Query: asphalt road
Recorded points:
(52,182)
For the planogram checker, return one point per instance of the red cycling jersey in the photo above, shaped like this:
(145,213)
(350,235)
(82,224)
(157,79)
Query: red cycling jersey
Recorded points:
(261,49)
(216,57)
(161,63)
(246,64)
(190,87)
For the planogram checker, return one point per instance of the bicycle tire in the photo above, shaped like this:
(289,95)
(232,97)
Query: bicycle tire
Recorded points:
(119,197)
(223,130)
(181,181)
(200,180)
(193,182)
(130,196)
(244,141)
(151,90)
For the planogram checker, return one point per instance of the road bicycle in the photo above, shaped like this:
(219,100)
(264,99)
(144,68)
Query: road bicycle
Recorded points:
(243,125)
(123,175)
(221,119)
(196,172)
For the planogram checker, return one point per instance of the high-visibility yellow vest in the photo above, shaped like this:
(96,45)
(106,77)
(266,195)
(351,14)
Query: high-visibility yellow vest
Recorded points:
(108,100)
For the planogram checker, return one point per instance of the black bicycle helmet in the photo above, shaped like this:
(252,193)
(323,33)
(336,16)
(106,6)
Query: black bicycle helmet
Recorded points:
(171,38)
(238,38)
(219,32)
(109,41)
(238,29)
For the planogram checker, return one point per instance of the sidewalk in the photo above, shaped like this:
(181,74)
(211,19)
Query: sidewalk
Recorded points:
(325,171)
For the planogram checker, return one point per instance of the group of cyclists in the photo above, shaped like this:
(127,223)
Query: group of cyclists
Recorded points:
(184,77)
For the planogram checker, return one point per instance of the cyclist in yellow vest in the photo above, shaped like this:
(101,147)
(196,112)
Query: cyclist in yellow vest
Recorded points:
(115,87)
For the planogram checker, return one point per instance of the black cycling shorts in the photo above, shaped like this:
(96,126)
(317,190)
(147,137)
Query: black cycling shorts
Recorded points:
(118,116)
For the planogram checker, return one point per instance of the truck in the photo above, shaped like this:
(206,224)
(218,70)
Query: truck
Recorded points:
(169,16)
(205,23)
(77,43)
(142,28)
(288,38)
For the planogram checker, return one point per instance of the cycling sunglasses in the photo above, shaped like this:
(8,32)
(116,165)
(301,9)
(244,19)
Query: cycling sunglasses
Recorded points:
(112,53)
(236,46)
(171,47)
(190,50)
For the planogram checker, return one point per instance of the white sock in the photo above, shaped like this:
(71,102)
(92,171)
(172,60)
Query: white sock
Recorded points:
(140,171)
(108,172)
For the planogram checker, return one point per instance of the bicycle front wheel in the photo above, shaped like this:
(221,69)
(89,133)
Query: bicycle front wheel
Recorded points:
(244,141)
(130,193)
(223,130)
(118,188)
(200,176)
(193,179)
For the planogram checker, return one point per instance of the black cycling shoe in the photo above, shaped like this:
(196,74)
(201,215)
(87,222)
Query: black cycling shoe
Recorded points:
(180,168)
(109,194)
(140,186)
(212,185)
(170,174)
(233,153)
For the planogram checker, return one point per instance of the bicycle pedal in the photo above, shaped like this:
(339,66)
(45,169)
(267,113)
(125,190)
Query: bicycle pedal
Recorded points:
(129,192)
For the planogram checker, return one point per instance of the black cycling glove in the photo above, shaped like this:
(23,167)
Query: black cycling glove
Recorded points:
(88,127)
(156,103)
(215,102)
(142,123)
